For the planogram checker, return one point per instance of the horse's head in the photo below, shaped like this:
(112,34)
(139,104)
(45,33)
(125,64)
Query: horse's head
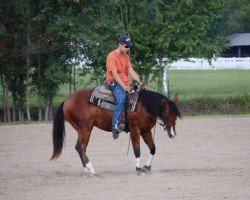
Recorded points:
(159,106)
(170,115)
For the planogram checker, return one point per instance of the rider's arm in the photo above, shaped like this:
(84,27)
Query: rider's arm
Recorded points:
(119,81)
(134,75)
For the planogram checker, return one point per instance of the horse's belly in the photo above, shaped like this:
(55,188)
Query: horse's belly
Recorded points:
(103,119)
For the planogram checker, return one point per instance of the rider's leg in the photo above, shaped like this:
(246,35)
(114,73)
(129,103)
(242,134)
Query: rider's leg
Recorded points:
(120,95)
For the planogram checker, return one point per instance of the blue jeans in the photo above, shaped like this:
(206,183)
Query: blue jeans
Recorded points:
(120,96)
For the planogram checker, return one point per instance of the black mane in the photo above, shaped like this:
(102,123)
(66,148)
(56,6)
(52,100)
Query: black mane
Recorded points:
(152,102)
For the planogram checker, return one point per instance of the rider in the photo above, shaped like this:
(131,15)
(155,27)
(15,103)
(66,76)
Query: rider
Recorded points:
(118,65)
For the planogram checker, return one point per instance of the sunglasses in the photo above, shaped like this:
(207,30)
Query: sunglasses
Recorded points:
(126,46)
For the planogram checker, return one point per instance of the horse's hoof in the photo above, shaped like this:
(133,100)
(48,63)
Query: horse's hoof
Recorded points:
(139,171)
(98,175)
(146,169)
(85,170)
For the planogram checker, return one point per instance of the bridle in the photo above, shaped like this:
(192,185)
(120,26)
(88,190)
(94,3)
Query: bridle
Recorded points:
(166,126)
(164,114)
(136,87)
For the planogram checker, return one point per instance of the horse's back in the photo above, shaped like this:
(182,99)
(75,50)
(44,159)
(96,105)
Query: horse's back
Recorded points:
(79,112)
(78,98)
(76,105)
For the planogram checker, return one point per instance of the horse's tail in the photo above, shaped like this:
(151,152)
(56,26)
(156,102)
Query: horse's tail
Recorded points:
(58,132)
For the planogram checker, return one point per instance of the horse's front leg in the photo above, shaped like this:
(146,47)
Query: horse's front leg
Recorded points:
(147,137)
(135,138)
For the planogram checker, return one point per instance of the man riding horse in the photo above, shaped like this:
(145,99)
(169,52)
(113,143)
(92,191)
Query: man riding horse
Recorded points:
(83,110)
(118,65)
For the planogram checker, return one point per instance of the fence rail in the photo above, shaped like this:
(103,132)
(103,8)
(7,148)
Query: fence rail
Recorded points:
(218,63)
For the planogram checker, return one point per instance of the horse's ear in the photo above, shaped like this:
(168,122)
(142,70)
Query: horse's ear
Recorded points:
(176,98)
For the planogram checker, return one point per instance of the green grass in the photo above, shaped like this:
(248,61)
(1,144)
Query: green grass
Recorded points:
(189,84)
(213,84)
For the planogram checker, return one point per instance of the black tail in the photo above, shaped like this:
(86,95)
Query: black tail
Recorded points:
(58,132)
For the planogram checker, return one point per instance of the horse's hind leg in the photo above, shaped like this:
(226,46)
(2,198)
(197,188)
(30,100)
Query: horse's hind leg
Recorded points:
(81,146)
(147,137)
(82,155)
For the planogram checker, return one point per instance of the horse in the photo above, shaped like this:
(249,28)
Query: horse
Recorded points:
(83,116)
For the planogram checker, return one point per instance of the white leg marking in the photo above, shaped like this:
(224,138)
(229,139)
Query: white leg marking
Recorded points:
(173,134)
(138,163)
(85,169)
(149,160)
(90,168)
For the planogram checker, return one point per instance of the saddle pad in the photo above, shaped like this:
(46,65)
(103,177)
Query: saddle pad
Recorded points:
(104,98)
(102,92)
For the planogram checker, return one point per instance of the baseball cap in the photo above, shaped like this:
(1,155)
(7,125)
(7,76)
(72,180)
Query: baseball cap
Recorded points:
(125,40)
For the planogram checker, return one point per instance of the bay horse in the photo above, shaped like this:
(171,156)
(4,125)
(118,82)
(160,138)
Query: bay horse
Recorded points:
(83,116)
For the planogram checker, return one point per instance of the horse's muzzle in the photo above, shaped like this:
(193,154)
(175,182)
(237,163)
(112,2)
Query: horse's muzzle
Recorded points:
(170,133)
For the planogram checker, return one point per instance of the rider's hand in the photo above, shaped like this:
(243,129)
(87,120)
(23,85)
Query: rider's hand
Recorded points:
(141,84)
(128,89)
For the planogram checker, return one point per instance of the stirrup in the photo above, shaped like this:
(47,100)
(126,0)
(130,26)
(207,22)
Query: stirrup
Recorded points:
(117,129)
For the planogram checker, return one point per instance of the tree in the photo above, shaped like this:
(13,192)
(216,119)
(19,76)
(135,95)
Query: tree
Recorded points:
(12,51)
(42,41)
(102,27)
(236,17)
(185,28)
(58,26)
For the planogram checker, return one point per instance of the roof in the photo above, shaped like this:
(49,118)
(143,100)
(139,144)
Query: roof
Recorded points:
(240,39)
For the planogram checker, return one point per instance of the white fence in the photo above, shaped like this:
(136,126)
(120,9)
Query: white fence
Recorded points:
(199,63)
(218,63)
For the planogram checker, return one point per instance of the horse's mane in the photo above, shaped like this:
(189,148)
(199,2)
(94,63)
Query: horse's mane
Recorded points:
(152,102)
(174,109)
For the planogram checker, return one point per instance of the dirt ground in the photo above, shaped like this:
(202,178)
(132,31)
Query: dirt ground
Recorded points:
(209,159)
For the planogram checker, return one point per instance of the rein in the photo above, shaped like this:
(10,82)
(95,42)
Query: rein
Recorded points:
(161,124)
(164,117)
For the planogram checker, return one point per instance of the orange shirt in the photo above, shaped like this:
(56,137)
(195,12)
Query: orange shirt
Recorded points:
(121,63)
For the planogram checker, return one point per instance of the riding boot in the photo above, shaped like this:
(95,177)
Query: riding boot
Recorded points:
(117,129)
